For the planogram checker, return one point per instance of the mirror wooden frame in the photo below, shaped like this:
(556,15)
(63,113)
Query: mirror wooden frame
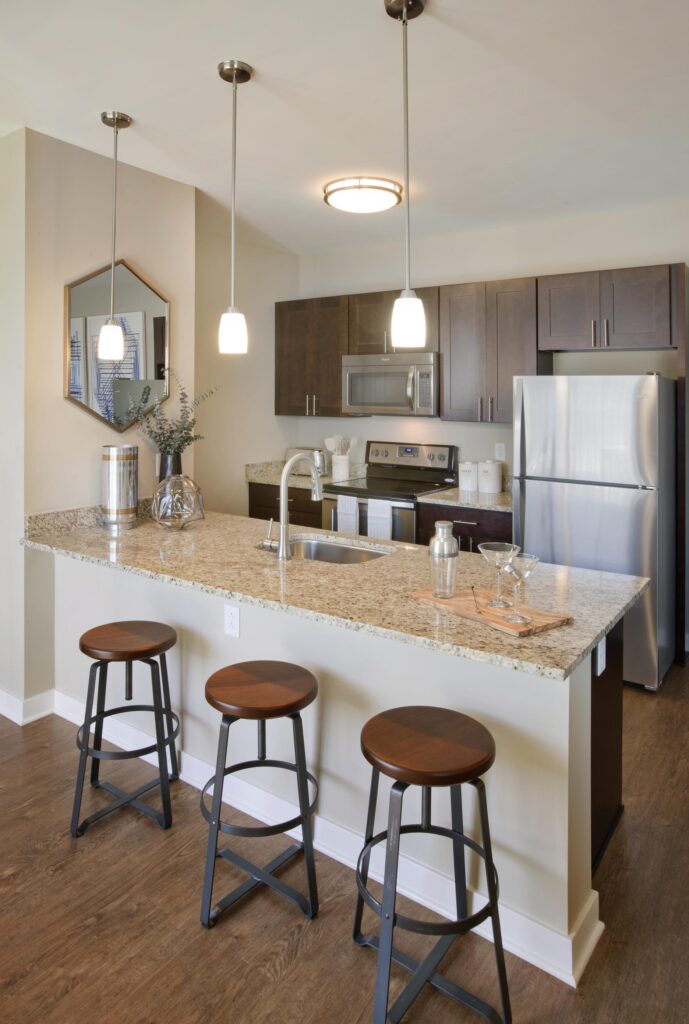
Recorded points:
(67,338)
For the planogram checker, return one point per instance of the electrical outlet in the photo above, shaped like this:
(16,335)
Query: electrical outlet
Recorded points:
(500,451)
(232,621)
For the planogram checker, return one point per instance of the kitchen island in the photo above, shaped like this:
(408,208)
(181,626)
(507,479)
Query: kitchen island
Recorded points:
(372,646)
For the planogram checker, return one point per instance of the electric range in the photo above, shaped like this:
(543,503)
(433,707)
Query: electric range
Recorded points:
(399,473)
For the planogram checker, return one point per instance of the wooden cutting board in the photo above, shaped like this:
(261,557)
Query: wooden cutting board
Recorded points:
(463,604)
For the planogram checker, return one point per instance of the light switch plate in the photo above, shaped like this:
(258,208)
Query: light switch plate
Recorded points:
(232,621)
(500,451)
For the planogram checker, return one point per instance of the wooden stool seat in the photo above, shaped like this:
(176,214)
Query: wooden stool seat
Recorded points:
(261,689)
(127,641)
(427,746)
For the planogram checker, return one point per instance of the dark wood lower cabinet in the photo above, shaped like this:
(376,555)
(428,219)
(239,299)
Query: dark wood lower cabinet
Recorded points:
(264,503)
(470,526)
(606,744)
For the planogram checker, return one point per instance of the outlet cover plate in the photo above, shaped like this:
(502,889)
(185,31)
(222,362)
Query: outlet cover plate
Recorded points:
(232,621)
(500,451)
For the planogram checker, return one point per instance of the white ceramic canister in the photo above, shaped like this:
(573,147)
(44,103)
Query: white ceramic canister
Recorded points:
(340,469)
(468,476)
(489,477)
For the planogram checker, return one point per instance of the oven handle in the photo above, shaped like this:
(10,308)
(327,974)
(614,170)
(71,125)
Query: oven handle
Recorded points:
(410,388)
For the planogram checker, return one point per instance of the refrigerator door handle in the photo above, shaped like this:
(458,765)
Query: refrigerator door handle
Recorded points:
(517,512)
(518,435)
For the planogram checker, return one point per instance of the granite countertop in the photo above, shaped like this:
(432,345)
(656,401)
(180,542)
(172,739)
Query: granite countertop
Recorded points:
(269,473)
(219,556)
(469,499)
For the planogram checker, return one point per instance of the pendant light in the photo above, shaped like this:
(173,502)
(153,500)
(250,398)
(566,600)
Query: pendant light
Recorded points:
(232,334)
(408,328)
(111,337)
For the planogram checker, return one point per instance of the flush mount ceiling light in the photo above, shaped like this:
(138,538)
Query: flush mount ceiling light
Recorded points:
(408,328)
(232,334)
(111,337)
(363,194)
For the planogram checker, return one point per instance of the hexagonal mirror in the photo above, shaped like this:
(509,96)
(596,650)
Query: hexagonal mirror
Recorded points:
(109,389)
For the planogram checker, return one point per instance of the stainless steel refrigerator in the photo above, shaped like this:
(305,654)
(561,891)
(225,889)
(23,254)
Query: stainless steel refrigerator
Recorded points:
(594,486)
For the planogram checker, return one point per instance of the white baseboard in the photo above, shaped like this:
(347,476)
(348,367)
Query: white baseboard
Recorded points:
(21,712)
(563,956)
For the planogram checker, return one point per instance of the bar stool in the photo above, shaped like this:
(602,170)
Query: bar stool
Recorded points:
(260,690)
(127,642)
(427,747)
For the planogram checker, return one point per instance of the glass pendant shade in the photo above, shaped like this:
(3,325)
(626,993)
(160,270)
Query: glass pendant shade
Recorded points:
(233,338)
(111,342)
(408,321)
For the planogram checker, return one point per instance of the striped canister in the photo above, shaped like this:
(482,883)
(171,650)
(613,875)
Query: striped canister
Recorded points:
(120,486)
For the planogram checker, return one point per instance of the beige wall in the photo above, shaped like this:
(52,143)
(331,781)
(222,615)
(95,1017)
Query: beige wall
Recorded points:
(68,235)
(12,272)
(238,422)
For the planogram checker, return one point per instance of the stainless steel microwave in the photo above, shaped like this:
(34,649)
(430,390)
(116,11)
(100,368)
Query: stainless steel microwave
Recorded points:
(398,384)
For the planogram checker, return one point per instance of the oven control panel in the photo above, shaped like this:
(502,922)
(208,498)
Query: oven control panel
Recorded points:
(418,456)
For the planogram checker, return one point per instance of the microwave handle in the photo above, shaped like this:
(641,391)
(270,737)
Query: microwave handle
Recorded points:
(410,387)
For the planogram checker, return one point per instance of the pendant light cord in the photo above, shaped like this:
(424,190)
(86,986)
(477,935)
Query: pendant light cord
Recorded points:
(114,224)
(405,117)
(233,165)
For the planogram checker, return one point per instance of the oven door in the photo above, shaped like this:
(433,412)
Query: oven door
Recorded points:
(403,518)
(386,386)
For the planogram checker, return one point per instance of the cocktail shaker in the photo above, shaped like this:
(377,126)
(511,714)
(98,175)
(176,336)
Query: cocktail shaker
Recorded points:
(443,551)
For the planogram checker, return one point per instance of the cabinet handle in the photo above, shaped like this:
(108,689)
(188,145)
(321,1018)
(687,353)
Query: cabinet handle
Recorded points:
(490,409)
(606,333)
(463,522)
(480,410)
(313,404)
(385,341)
(593,334)
(307,405)
(471,545)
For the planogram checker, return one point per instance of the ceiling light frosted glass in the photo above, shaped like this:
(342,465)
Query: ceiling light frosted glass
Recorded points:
(111,342)
(363,194)
(408,322)
(233,337)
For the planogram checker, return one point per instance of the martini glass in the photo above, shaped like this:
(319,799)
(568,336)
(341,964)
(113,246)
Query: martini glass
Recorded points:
(499,554)
(520,568)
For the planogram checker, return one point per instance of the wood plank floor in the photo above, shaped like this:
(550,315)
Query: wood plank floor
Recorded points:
(106,927)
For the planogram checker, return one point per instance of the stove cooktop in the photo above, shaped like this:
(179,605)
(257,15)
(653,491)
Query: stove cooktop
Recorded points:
(385,488)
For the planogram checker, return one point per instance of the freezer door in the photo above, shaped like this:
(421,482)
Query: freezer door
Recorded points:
(613,529)
(595,429)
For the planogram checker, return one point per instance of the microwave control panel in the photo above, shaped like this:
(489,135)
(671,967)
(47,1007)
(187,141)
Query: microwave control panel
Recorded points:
(420,456)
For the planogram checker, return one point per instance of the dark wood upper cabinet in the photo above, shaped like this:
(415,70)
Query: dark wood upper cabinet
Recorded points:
(511,342)
(370,316)
(488,335)
(569,312)
(622,309)
(310,339)
(635,308)
(462,316)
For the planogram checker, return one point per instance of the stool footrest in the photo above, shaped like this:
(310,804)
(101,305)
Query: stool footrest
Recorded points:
(413,924)
(425,971)
(121,800)
(260,876)
(258,831)
(125,755)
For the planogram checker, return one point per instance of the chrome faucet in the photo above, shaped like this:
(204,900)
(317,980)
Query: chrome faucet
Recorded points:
(316,495)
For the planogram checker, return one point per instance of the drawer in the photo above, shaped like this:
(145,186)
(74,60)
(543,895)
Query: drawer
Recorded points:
(264,503)
(471,526)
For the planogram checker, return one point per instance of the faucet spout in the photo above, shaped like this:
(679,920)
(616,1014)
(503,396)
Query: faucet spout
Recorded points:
(316,495)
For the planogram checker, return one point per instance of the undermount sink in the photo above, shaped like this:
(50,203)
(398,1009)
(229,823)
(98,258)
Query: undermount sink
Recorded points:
(334,551)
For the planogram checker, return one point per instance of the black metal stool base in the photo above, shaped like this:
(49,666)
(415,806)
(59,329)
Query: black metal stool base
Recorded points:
(426,970)
(259,875)
(167,729)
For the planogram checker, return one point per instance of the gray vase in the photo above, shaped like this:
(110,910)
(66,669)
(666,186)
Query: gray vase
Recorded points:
(170,465)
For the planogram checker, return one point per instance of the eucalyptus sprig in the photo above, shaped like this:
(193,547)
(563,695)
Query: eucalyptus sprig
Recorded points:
(170,436)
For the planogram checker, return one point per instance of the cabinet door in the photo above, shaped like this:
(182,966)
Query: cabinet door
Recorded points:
(462,316)
(511,342)
(569,312)
(635,308)
(293,356)
(370,317)
(329,342)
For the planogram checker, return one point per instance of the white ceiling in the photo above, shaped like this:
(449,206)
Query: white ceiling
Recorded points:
(521,109)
